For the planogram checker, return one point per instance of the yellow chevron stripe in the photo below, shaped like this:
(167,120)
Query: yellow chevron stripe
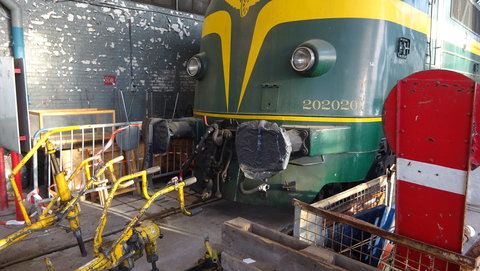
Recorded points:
(282,11)
(220,23)
(288,118)
(473,46)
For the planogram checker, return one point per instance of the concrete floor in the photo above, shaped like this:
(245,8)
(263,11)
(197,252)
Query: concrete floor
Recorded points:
(180,248)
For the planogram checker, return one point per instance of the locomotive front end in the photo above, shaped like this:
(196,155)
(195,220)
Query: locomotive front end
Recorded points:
(292,93)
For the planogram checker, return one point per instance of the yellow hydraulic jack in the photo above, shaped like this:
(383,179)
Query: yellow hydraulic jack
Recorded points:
(210,260)
(64,204)
(137,235)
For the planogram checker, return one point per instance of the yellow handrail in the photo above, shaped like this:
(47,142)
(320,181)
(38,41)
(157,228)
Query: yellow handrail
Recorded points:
(27,157)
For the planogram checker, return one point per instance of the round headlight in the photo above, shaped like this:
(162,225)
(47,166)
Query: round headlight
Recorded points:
(303,59)
(194,65)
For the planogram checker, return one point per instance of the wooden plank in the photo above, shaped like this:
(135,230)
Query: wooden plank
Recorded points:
(47,111)
(338,259)
(238,240)
(70,161)
(132,168)
(230,262)
(69,112)
(119,170)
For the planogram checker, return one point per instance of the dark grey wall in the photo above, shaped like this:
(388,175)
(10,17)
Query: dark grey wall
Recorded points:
(4,32)
(71,46)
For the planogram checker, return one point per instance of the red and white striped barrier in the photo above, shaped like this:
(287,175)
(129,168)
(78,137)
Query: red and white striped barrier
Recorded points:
(428,121)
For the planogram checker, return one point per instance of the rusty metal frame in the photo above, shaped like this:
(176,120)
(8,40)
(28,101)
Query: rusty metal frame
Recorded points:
(440,253)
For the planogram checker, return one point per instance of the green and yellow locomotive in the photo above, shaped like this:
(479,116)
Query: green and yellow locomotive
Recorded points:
(292,91)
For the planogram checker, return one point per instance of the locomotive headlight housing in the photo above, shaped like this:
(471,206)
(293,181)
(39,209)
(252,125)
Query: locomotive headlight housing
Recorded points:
(196,66)
(303,58)
(313,58)
(193,66)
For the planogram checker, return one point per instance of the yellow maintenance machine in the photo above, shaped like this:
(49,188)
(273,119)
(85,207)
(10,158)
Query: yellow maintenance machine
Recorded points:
(138,236)
(64,204)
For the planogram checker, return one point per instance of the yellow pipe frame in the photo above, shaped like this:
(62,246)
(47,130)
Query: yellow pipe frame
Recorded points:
(103,218)
(91,182)
(147,205)
(111,257)
(47,220)
(27,157)
(83,164)
(119,184)
(19,199)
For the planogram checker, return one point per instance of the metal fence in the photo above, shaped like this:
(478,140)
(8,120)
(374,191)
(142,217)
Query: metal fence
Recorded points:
(350,202)
(89,140)
(375,246)
(361,197)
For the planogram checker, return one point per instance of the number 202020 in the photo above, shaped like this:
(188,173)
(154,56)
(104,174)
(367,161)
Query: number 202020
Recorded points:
(343,105)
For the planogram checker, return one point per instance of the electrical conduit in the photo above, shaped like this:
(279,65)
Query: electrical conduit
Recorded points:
(17,27)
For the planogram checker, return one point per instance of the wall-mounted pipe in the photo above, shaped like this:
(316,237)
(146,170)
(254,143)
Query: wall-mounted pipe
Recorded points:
(17,27)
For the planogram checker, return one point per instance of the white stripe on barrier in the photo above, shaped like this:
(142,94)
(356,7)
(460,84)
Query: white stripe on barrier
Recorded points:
(473,191)
(433,176)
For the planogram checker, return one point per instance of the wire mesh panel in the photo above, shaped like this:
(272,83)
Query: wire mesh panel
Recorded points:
(361,197)
(353,201)
(375,246)
(108,142)
(171,162)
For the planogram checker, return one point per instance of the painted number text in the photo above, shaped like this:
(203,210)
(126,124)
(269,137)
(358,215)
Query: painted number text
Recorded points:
(335,105)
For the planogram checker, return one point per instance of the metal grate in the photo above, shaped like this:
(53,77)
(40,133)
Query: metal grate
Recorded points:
(375,246)
(350,202)
(362,198)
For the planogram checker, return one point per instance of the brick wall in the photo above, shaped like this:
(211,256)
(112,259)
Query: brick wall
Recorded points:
(71,46)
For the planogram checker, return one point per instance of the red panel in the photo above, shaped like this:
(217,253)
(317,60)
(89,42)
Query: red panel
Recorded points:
(434,120)
(422,216)
(18,180)
(434,123)
(430,215)
(109,80)
(389,117)
(476,132)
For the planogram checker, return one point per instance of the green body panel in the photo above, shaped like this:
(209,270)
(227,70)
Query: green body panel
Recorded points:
(310,173)
(364,72)
(458,59)
(361,79)
(308,179)
(269,99)
(328,140)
